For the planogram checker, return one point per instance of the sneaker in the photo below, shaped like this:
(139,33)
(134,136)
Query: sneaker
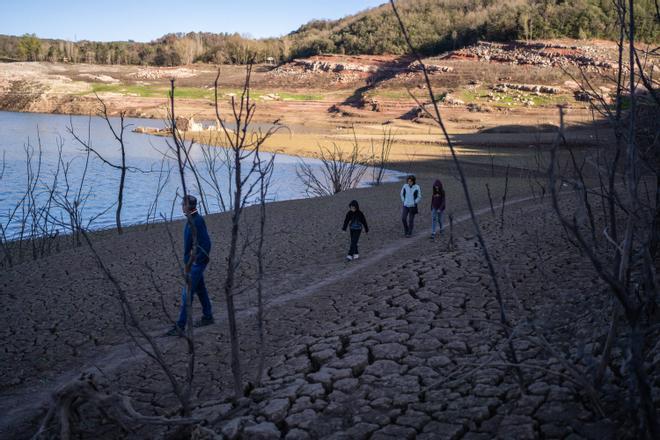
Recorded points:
(203,322)
(175,331)
(349,257)
(432,236)
(356,256)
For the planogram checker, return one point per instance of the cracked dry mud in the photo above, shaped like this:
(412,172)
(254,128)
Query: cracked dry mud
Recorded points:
(404,343)
(395,362)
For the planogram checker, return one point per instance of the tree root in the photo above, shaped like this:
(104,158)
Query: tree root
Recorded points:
(63,413)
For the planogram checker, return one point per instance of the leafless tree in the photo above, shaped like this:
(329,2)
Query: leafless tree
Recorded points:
(253,182)
(265,170)
(451,245)
(72,197)
(115,405)
(3,226)
(217,162)
(181,153)
(244,145)
(506,190)
(621,245)
(490,199)
(163,178)
(380,156)
(339,171)
(30,209)
(18,215)
(122,167)
(52,205)
(27,227)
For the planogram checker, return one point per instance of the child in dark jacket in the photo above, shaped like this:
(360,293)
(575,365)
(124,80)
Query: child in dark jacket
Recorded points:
(354,220)
(437,206)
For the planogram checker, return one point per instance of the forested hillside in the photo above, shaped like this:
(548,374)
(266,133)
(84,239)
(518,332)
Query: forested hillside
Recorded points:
(435,26)
(440,25)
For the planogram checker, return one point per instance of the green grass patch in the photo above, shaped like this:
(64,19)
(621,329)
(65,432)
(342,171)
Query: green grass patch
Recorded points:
(129,89)
(512,99)
(192,93)
(300,96)
(286,96)
(396,94)
(470,95)
(149,91)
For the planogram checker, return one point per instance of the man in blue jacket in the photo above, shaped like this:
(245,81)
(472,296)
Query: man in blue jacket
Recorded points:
(195,261)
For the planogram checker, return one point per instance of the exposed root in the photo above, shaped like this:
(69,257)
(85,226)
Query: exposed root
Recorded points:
(63,413)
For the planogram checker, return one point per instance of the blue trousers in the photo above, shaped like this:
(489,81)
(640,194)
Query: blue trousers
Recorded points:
(408,219)
(355,236)
(436,217)
(197,281)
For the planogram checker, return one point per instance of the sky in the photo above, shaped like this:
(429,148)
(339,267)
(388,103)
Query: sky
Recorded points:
(146,20)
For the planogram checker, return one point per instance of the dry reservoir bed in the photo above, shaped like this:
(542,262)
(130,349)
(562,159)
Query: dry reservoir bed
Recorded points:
(404,343)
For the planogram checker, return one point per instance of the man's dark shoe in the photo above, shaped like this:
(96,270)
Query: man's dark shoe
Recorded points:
(204,322)
(175,331)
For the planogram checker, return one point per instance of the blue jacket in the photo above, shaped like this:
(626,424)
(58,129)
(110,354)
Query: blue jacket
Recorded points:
(203,240)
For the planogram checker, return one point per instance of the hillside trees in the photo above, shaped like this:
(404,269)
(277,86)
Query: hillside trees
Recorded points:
(435,26)
(440,25)
(29,47)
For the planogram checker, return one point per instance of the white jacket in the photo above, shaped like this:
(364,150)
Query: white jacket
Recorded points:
(410,195)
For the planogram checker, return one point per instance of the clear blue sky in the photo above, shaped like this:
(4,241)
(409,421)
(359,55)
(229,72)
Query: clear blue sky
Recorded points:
(145,20)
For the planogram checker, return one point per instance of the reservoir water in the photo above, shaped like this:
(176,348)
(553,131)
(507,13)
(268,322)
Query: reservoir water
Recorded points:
(148,174)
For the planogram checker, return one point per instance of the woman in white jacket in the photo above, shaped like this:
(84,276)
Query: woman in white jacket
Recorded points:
(411,194)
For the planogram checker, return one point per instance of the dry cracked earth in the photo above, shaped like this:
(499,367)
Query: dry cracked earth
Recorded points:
(405,343)
(415,350)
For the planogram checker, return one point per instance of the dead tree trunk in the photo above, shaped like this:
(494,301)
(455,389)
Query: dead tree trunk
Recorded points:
(122,166)
(265,173)
(244,145)
(181,153)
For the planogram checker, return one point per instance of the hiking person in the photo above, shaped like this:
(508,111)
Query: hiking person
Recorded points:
(355,221)
(411,194)
(437,207)
(195,261)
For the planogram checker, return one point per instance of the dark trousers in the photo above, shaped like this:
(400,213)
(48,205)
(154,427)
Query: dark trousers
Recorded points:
(197,281)
(408,219)
(355,237)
